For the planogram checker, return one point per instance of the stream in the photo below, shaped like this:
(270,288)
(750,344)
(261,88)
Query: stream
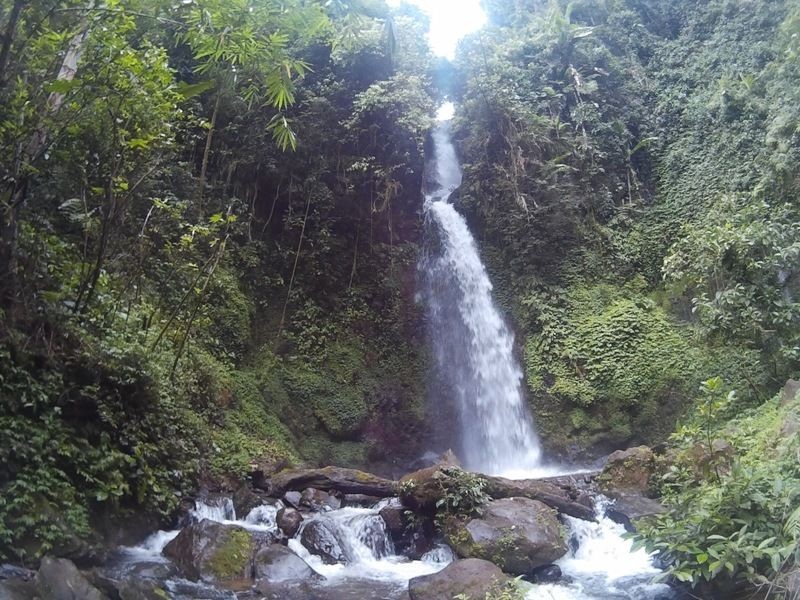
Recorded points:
(599,566)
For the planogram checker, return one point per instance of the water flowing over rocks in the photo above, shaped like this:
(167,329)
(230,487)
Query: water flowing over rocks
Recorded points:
(277,564)
(472,576)
(322,538)
(517,534)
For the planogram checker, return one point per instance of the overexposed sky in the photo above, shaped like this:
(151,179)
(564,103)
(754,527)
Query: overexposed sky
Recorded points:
(450,21)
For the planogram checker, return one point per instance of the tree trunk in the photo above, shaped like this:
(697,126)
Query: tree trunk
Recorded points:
(9,235)
(8,39)
(209,138)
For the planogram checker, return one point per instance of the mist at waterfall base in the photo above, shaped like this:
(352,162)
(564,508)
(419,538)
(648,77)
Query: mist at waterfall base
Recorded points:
(600,565)
(473,347)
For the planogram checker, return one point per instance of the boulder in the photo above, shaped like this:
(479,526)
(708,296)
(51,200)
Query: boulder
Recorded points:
(628,471)
(562,493)
(142,589)
(292,498)
(472,577)
(395,519)
(413,539)
(323,539)
(546,574)
(60,579)
(17,589)
(246,499)
(422,489)
(276,563)
(289,521)
(319,501)
(346,481)
(212,551)
(519,535)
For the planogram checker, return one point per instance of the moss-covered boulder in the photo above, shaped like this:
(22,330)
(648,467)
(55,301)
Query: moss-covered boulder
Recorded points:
(215,552)
(517,534)
(628,471)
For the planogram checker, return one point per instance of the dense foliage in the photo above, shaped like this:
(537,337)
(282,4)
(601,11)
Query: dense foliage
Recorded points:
(210,234)
(208,248)
(631,168)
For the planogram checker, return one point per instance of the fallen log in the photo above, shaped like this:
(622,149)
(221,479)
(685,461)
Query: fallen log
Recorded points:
(346,481)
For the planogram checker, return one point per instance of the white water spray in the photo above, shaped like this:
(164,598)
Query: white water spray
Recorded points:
(474,347)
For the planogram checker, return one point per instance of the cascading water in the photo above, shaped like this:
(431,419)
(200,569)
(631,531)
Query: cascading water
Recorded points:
(474,348)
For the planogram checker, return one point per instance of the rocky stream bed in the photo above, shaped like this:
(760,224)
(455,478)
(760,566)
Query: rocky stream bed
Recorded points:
(337,533)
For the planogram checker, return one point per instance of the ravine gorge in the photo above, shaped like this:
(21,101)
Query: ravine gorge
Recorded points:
(296,304)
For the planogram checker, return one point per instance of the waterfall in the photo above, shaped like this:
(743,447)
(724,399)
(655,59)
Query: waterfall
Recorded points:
(473,346)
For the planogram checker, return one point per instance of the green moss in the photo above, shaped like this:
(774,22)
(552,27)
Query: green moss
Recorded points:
(340,407)
(609,364)
(230,559)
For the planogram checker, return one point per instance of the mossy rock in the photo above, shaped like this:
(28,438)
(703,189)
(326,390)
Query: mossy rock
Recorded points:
(215,552)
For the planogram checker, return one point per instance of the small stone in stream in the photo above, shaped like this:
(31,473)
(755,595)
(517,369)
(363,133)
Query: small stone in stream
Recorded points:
(289,521)
(546,574)
(277,564)
(59,579)
(292,498)
(319,501)
(321,538)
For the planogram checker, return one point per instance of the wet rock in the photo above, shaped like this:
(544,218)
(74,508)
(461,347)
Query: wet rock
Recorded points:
(361,500)
(472,577)
(17,589)
(546,574)
(277,564)
(517,534)
(292,498)
(395,519)
(410,539)
(289,521)
(212,551)
(630,507)
(319,501)
(60,579)
(8,571)
(322,539)
(289,590)
(142,589)
(628,470)
(246,499)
